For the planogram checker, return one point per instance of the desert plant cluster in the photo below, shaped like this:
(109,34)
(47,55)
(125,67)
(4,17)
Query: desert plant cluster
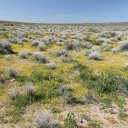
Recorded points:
(63,75)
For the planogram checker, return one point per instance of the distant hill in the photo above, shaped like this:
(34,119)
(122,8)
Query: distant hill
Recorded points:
(108,23)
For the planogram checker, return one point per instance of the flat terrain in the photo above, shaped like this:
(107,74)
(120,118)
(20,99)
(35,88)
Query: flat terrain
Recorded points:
(80,69)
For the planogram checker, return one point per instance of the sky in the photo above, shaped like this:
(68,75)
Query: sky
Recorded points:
(64,11)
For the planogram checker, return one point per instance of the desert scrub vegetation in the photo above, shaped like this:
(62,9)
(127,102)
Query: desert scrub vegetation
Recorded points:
(45,120)
(71,46)
(5,47)
(51,65)
(24,54)
(40,57)
(40,74)
(22,98)
(107,82)
(106,47)
(41,46)
(12,71)
(48,82)
(123,46)
(86,45)
(110,82)
(94,53)
(70,121)
(29,89)
(35,43)
(61,52)
(14,93)
(62,74)
(108,34)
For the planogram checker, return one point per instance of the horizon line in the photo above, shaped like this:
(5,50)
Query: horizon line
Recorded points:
(25,22)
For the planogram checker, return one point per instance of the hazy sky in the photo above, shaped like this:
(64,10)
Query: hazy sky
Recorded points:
(64,11)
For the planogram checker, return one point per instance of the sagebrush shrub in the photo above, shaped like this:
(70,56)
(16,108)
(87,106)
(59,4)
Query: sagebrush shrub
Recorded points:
(126,53)
(114,50)
(37,55)
(41,46)
(94,49)
(86,45)
(35,43)
(59,43)
(29,89)
(106,47)
(98,41)
(45,120)
(40,57)
(51,65)
(61,52)
(16,40)
(12,71)
(95,55)
(71,46)
(5,48)
(123,45)
(14,93)
(24,54)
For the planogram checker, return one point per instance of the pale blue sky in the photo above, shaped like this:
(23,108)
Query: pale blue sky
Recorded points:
(64,11)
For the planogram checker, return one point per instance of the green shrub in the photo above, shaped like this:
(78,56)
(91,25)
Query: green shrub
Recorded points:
(108,34)
(87,74)
(19,106)
(122,113)
(20,103)
(69,121)
(108,82)
(22,79)
(40,75)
